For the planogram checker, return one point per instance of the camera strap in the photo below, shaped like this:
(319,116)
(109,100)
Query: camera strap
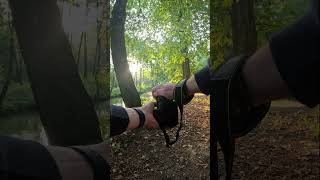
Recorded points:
(166,136)
(232,113)
(166,112)
(181,98)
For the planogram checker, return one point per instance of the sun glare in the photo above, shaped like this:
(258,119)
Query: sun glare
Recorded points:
(134,67)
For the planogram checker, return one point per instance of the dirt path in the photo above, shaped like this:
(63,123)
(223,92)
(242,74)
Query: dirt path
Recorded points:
(284,146)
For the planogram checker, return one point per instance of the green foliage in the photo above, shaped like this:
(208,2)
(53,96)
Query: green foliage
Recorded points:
(221,36)
(157,31)
(271,17)
(275,15)
(19,98)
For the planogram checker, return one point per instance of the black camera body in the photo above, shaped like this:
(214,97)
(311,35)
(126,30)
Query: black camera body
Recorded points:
(166,112)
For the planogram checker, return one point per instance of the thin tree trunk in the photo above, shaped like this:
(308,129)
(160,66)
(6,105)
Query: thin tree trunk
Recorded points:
(244,34)
(106,68)
(152,74)
(112,81)
(20,64)
(128,90)
(140,78)
(79,50)
(96,65)
(85,58)
(186,68)
(10,65)
(71,42)
(17,75)
(97,57)
(66,110)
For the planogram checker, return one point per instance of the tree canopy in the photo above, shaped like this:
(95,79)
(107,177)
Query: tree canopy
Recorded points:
(161,34)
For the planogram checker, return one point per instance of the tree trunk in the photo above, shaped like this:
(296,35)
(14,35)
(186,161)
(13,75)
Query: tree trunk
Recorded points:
(106,68)
(85,53)
(79,50)
(85,58)
(98,70)
(244,34)
(18,64)
(128,90)
(66,110)
(186,68)
(98,44)
(5,88)
(140,79)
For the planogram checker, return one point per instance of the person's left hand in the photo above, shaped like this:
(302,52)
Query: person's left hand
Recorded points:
(165,90)
(151,122)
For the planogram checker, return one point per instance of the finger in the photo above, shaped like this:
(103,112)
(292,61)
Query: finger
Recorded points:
(160,92)
(154,94)
(155,88)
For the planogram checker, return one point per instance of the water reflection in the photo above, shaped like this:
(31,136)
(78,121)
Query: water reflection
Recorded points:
(28,125)
(25,125)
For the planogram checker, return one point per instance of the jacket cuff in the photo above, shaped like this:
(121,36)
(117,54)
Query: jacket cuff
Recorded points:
(119,120)
(202,78)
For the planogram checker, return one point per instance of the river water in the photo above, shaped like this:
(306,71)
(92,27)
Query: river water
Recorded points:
(27,125)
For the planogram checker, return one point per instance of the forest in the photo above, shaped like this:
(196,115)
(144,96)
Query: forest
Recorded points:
(123,48)
(162,42)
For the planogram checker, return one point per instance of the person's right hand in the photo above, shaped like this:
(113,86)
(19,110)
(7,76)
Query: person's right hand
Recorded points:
(165,90)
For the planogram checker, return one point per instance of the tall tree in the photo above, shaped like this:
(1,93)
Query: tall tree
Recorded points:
(186,68)
(79,49)
(244,34)
(85,59)
(186,64)
(10,64)
(85,56)
(18,64)
(66,110)
(128,90)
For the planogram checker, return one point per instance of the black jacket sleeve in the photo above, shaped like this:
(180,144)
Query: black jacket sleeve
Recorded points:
(202,78)
(119,120)
(22,159)
(296,52)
